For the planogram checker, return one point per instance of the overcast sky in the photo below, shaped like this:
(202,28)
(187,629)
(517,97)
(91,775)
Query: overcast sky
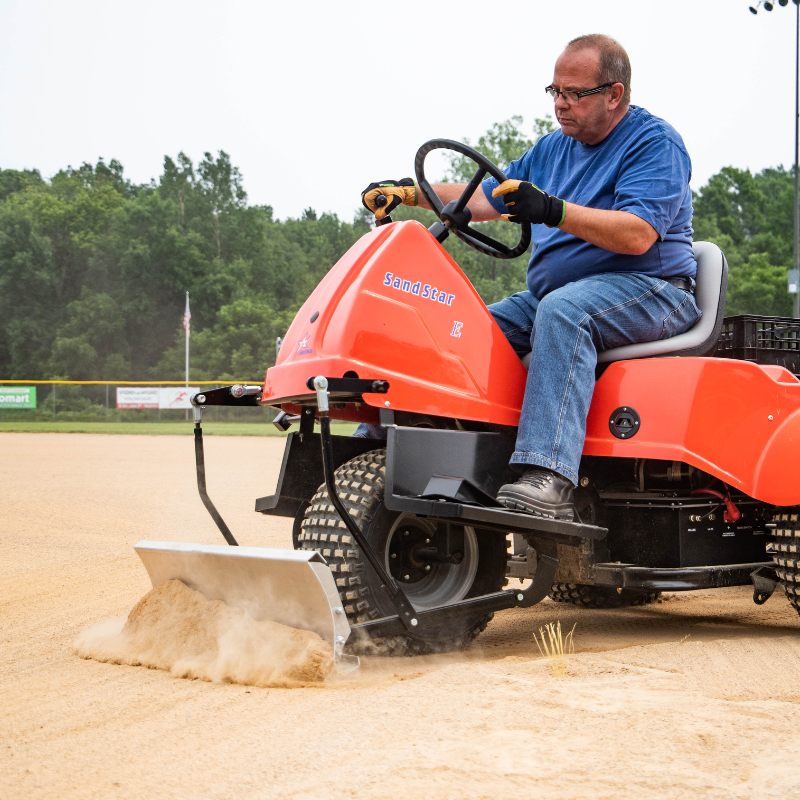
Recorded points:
(313,100)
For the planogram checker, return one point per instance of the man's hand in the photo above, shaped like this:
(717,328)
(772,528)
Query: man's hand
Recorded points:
(530,204)
(396,192)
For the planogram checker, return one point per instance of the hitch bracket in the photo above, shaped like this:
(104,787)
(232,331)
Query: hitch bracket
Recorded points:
(765,581)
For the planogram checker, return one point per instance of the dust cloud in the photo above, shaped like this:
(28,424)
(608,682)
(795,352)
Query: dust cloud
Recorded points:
(177,629)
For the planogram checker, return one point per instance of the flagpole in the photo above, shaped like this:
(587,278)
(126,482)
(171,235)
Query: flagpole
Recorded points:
(186,317)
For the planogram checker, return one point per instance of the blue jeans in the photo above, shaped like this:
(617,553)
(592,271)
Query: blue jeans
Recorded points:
(565,331)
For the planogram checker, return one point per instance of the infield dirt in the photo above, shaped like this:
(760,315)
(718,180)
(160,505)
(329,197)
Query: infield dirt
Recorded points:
(696,696)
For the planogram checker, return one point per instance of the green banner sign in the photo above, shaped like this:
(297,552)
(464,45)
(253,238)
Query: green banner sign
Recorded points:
(17,397)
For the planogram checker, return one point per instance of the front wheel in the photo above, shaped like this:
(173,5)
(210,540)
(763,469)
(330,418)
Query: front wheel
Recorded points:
(403,542)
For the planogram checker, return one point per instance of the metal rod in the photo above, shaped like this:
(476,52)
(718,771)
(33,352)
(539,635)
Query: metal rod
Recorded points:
(390,626)
(106,402)
(405,611)
(327,465)
(54,402)
(201,486)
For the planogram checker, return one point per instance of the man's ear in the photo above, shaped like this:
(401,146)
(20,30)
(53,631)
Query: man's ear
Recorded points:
(615,93)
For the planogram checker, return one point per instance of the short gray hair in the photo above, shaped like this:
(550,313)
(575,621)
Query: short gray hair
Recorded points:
(615,66)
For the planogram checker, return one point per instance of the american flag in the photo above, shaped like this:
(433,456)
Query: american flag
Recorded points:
(187,315)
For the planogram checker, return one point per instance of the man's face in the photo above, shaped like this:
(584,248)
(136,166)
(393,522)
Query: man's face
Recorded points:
(590,119)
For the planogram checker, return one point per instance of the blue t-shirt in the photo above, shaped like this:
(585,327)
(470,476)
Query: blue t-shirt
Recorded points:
(641,167)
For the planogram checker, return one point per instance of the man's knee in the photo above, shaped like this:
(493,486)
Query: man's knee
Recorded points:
(562,307)
(515,315)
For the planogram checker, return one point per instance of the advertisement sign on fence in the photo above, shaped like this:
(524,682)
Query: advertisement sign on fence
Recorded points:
(18,397)
(153,397)
(137,397)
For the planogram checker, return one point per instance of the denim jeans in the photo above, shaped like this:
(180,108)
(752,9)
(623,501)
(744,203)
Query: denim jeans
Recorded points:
(565,331)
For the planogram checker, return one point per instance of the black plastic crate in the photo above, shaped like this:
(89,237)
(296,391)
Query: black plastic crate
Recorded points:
(764,340)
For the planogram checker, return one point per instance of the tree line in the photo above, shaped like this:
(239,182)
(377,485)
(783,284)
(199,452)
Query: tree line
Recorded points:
(93,268)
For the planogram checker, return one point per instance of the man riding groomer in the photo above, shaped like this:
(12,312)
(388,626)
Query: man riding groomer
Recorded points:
(612,262)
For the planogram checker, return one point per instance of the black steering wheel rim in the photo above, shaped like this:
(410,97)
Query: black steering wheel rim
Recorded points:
(479,241)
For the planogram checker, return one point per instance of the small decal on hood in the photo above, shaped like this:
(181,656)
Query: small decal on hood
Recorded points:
(303,348)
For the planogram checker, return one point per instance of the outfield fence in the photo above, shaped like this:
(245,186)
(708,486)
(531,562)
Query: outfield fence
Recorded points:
(97,401)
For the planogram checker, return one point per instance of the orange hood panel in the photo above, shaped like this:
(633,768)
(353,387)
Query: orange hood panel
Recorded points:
(397,307)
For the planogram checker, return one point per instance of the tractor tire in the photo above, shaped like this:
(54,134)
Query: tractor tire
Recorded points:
(785,552)
(600,596)
(360,484)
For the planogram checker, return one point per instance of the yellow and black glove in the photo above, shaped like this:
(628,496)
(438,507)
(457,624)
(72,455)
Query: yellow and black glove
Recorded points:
(530,204)
(396,192)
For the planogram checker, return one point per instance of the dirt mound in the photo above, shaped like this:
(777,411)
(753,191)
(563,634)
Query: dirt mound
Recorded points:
(177,629)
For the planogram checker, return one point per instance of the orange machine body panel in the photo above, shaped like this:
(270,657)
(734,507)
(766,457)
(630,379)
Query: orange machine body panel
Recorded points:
(397,307)
(736,420)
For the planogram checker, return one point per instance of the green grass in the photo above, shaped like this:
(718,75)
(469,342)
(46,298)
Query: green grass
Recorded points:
(159,428)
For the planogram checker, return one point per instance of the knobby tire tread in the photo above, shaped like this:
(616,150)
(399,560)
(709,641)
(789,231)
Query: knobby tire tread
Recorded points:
(785,551)
(600,596)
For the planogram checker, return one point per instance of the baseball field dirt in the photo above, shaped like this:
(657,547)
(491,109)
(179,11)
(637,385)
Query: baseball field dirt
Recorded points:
(695,696)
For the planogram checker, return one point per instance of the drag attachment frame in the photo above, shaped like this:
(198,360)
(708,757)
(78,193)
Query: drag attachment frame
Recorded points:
(407,617)
(200,465)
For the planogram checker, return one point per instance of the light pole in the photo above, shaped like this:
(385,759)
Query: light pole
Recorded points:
(793,284)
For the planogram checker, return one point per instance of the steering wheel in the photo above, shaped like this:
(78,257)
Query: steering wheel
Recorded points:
(455,216)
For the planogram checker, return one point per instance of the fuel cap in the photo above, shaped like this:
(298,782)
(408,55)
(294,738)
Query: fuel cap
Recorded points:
(624,422)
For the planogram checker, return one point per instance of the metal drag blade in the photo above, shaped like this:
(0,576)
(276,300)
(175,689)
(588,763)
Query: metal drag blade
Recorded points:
(293,587)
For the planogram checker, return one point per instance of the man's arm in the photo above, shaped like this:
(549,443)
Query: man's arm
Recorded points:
(617,231)
(482,210)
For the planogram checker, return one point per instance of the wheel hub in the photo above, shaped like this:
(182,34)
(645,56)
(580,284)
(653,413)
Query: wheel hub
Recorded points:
(409,559)
(428,574)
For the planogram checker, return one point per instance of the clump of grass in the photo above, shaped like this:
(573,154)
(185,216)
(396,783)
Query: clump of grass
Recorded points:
(555,647)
